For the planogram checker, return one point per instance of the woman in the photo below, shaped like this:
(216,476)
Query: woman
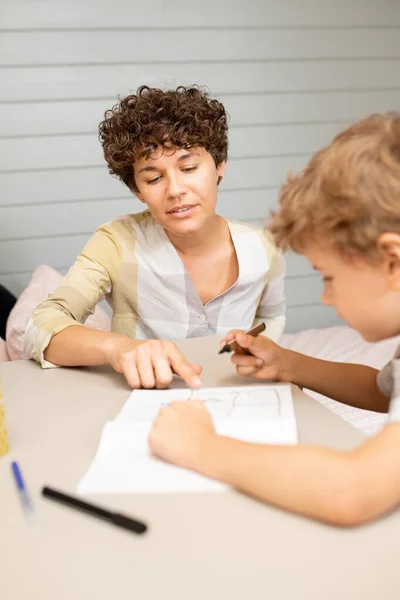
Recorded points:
(176,270)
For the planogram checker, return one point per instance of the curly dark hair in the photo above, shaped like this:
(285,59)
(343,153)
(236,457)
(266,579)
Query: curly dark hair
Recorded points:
(180,118)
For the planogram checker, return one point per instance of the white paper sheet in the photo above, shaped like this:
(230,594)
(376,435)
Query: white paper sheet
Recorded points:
(123,463)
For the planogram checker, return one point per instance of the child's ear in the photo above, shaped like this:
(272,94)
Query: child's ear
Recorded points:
(389,247)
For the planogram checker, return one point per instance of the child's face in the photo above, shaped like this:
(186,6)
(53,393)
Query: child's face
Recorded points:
(362,294)
(179,187)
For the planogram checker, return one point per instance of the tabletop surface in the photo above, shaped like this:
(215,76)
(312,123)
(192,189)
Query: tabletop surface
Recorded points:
(199,546)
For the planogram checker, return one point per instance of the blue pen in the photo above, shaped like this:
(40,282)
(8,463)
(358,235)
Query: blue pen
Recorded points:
(23,492)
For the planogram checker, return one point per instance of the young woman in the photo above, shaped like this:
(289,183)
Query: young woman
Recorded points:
(176,270)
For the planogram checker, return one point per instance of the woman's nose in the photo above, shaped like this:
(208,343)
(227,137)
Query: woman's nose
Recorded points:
(175,185)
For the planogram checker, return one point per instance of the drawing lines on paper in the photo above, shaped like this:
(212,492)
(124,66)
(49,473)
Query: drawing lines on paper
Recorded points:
(242,403)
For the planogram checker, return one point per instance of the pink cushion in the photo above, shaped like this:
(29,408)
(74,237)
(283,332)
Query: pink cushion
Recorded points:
(3,351)
(44,281)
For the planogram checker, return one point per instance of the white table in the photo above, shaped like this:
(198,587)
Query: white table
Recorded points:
(199,547)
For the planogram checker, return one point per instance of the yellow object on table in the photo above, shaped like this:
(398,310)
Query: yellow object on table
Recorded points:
(3,428)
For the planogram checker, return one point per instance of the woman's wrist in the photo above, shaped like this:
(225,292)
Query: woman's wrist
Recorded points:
(115,344)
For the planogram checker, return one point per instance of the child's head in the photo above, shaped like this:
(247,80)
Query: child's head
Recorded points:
(168,147)
(343,213)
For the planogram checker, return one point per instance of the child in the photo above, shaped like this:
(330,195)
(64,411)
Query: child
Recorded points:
(176,270)
(343,213)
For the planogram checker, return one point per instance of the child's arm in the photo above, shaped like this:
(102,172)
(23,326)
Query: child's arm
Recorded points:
(348,383)
(345,488)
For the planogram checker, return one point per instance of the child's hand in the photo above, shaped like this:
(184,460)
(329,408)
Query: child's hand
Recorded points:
(230,337)
(266,360)
(181,433)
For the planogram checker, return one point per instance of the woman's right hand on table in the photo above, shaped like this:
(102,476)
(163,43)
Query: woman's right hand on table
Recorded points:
(152,363)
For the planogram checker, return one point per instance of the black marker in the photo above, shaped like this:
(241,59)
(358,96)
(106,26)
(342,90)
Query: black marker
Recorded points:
(233,345)
(112,517)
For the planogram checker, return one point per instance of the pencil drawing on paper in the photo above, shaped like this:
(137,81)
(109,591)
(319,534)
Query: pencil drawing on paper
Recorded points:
(241,404)
(233,403)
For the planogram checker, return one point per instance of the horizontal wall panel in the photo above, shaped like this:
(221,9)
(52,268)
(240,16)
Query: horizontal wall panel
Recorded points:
(54,83)
(44,118)
(83,116)
(95,182)
(54,152)
(59,186)
(304,107)
(50,152)
(105,47)
(297,265)
(301,291)
(311,317)
(60,252)
(25,255)
(260,172)
(90,14)
(16,282)
(62,219)
(81,217)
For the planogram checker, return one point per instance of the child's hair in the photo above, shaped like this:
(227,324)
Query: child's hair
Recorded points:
(349,193)
(179,118)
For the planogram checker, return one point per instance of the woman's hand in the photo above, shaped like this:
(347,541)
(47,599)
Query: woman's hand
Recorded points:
(152,363)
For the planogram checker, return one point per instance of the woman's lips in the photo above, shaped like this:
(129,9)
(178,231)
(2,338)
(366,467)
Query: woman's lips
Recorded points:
(182,212)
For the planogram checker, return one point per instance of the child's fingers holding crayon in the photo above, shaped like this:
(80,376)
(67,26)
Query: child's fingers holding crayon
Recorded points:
(266,360)
(232,343)
(230,339)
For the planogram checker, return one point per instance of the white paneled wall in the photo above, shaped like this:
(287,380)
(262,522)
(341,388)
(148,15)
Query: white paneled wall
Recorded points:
(291,74)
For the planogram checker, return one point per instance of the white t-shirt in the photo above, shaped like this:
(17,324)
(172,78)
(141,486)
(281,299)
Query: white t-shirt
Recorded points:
(388,381)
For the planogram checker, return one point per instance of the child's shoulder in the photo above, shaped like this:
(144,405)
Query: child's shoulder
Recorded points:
(388,378)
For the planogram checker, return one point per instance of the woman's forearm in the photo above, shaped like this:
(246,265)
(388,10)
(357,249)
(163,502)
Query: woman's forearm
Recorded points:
(78,346)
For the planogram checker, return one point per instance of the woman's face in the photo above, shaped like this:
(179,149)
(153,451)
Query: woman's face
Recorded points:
(179,186)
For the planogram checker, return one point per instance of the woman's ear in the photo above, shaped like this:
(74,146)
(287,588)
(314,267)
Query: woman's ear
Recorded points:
(221,171)
(134,187)
(389,248)
(139,195)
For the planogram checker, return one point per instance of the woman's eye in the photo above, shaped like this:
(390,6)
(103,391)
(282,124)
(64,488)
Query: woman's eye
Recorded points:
(151,181)
(189,169)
